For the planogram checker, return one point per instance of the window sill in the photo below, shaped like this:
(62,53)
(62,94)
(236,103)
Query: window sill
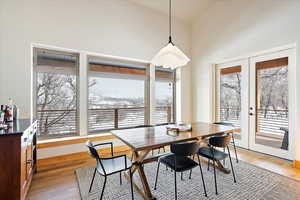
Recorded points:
(72,140)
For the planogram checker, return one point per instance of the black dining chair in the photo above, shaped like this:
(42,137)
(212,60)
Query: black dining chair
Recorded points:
(109,166)
(210,152)
(232,135)
(178,160)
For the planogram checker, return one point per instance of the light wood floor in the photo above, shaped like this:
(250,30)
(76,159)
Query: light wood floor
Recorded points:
(58,182)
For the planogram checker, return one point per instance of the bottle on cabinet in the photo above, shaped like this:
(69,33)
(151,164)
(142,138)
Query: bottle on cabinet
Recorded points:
(10,111)
(2,114)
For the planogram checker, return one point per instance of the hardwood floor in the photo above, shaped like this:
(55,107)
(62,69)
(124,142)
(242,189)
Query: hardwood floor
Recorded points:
(58,181)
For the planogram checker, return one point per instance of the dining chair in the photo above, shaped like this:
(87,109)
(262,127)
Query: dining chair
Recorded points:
(232,135)
(109,166)
(210,152)
(178,160)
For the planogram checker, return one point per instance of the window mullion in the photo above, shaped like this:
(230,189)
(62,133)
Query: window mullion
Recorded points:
(152,103)
(83,95)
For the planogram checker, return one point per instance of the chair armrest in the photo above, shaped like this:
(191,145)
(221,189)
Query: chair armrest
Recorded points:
(107,143)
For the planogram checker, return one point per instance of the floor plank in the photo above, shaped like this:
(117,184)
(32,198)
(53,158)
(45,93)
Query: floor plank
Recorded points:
(59,182)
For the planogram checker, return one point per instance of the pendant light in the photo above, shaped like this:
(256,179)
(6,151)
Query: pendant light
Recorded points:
(170,56)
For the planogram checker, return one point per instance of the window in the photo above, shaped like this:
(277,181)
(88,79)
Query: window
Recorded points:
(116,95)
(272,103)
(55,86)
(164,96)
(229,95)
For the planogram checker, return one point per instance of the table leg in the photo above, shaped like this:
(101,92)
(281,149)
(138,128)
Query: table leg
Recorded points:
(138,166)
(222,168)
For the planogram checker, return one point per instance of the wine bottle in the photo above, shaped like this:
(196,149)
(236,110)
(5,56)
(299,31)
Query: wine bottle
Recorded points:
(2,113)
(10,111)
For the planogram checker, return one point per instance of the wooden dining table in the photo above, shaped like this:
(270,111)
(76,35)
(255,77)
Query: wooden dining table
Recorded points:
(143,140)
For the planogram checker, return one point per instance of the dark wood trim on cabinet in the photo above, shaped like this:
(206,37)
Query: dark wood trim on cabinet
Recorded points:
(17,163)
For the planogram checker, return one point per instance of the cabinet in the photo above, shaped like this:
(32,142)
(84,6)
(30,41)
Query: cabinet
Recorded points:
(17,159)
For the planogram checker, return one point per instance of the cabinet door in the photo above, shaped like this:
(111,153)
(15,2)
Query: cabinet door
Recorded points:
(24,140)
(29,154)
(29,159)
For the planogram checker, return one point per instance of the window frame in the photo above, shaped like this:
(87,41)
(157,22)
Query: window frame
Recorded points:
(174,108)
(82,84)
(35,71)
(147,89)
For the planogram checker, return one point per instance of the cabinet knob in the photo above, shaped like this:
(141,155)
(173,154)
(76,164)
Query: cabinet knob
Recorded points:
(29,161)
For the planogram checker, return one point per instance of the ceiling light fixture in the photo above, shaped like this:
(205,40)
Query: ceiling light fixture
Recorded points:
(170,56)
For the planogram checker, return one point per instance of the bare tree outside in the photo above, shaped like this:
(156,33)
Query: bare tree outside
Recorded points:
(272,98)
(56,102)
(230,97)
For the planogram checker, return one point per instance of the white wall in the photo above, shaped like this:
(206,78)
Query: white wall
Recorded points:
(235,28)
(115,27)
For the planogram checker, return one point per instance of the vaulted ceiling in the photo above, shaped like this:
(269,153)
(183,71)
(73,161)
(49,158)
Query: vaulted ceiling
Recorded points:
(186,10)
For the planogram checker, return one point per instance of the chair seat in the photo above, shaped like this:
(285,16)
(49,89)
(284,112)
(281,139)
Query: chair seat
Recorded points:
(206,152)
(182,163)
(113,165)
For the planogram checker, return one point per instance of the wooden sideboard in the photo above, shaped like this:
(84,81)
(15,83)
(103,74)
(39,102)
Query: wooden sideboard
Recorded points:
(17,159)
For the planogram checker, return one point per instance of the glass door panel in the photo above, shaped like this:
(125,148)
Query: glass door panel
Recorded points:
(272,103)
(269,104)
(231,90)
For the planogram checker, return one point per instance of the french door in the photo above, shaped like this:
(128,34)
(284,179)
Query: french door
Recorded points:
(271,102)
(232,97)
(256,94)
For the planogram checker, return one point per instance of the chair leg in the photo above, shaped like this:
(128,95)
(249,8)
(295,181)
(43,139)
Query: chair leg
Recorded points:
(175,185)
(208,162)
(131,185)
(156,175)
(234,147)
(224,159)
(231,164)
(92,180)
(120,178)
(205,193)
(103,188)
(215,177)
(131,157)
(190,176)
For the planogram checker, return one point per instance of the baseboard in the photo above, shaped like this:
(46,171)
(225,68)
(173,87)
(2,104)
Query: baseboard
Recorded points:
(297,164)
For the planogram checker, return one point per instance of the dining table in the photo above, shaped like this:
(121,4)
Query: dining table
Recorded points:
(142,140)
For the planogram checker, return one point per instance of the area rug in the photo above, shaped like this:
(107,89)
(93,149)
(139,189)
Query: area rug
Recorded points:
(252,183)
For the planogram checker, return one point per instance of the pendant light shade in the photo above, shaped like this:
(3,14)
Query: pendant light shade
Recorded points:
(170,56)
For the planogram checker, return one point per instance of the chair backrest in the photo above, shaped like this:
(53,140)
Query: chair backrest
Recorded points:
(185,149)
(92,151)
(220,141)
(224,123)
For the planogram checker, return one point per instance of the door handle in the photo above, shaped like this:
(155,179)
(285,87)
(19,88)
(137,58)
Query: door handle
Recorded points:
(250,114)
